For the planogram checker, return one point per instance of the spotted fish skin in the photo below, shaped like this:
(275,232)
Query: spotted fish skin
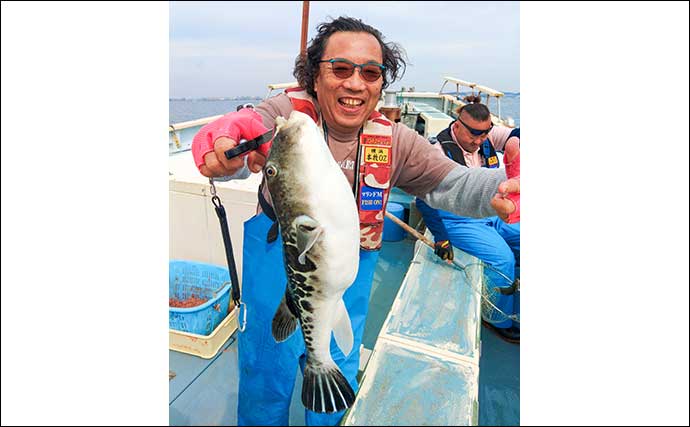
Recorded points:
(319,225)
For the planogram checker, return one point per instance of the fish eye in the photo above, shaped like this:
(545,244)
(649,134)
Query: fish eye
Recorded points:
(271,171)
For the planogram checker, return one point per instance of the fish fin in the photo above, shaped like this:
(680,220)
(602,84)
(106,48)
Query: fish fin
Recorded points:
(342,328)
(308,231)
(284,321)
(325,389)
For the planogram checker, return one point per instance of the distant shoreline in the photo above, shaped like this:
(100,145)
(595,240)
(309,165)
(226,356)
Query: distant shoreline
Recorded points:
(236,98)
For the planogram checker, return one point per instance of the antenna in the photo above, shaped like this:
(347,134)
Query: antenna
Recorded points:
(305,26)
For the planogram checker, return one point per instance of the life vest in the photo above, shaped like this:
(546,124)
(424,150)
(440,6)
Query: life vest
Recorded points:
(450,147)
(373,175)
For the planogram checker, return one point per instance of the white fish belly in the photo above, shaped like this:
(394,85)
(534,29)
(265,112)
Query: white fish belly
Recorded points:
(333,205)
(340,240)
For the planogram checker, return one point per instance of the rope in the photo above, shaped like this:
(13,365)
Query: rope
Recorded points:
(175,138)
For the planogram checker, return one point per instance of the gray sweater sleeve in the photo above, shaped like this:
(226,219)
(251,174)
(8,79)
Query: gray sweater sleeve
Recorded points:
(467,191)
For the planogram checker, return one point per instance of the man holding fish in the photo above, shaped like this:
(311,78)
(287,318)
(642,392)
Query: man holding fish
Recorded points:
(327,178)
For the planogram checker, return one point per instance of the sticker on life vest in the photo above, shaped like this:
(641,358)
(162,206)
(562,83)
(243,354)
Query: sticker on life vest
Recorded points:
(376,140)
(377,155)
(493,160)
(371,199)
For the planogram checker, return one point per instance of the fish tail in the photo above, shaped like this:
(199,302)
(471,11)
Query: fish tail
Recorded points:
(284,322)
(325,389)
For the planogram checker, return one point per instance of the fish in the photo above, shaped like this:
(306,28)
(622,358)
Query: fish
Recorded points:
(319,224)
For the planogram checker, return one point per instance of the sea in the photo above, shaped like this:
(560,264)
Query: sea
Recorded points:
(182,110)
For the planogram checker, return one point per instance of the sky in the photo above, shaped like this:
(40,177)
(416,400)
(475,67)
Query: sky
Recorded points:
(238,48)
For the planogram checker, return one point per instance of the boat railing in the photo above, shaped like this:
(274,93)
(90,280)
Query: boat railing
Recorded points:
(180,135)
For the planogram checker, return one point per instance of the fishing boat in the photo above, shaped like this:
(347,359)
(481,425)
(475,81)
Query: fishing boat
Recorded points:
(457,371)
(425,357)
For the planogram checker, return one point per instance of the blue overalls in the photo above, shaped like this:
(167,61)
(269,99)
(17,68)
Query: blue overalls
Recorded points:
(268,369)
(489,239)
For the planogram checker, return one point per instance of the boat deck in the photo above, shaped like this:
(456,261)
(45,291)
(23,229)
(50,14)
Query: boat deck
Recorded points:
(204,392)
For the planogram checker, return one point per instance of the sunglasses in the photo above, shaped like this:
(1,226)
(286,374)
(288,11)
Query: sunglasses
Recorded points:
(476,132)
(343,69)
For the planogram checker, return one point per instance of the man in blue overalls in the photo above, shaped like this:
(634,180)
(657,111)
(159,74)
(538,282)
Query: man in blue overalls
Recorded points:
(472,141)
(341,77)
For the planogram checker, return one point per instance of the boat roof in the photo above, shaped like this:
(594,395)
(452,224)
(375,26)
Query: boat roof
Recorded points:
(459,82)
(474,86)
(484,89)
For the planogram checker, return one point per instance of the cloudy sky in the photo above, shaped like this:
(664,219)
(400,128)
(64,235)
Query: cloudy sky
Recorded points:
(237,48)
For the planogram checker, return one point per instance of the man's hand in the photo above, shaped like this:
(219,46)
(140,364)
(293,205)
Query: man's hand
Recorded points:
(506,202)
(215,138)
(444,250)
(216,164)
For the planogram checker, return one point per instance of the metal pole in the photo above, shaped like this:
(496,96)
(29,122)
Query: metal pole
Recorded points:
(305,27)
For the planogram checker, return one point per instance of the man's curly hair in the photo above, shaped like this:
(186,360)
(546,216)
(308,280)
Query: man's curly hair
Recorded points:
(307,67)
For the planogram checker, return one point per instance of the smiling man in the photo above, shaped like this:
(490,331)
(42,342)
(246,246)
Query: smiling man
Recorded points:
(347,102)
(341,78)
